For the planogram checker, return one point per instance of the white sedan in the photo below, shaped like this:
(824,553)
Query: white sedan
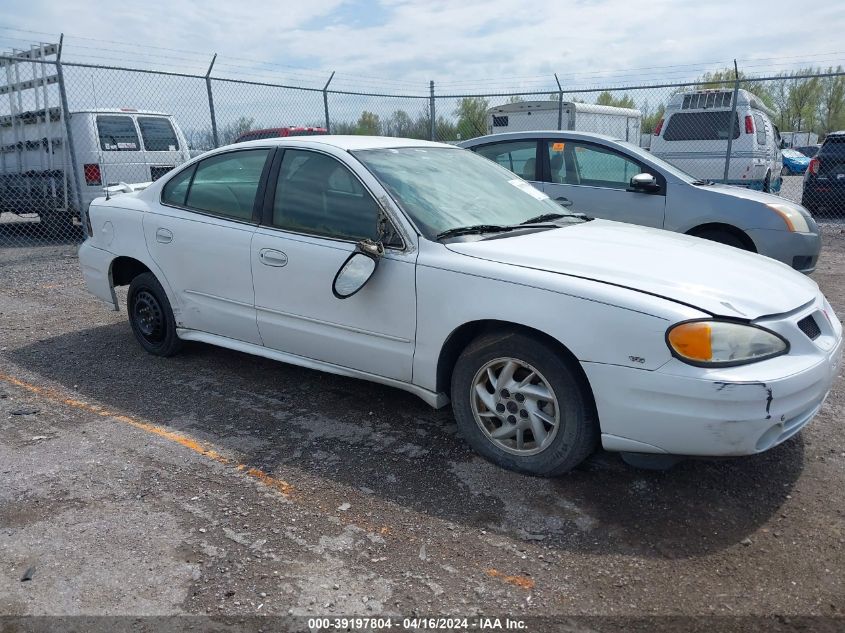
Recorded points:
(428,268)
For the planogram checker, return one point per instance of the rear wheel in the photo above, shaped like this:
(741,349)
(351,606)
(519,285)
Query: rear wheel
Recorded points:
(151,317)
(784,171)
(520,404)
(767,182)
(723,237)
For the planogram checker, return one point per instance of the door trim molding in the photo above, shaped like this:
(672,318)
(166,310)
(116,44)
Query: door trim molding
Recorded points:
(349,328)
(434,399)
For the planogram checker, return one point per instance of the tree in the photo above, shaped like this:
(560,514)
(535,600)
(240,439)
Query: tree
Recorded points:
(832,102)
(231,131)
(606,98)
(651,119)
(368,124)
(472,116)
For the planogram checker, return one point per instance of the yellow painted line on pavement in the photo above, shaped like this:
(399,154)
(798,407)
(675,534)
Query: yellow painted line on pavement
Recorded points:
(178,438)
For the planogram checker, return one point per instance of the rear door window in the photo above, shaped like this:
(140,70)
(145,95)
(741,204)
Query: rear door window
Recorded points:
(158,134)
(226,184)
(117,134)
(701,126)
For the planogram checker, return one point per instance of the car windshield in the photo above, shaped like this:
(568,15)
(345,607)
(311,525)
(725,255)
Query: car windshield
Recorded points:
(791,153)
(443,188)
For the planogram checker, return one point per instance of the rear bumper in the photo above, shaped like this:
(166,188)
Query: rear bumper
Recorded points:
(820,197)
(798,250)
(95,264)
(718,413)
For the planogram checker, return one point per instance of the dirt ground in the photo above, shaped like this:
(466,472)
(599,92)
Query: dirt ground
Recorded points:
(216,483)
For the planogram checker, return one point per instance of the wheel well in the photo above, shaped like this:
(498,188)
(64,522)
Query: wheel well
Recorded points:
(727,228)
(465,334)
(125,269)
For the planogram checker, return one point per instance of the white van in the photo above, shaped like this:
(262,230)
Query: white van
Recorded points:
(109,146)
(693,136)
(527,116)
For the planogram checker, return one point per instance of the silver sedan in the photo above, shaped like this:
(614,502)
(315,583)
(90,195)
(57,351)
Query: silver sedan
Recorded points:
(609,178)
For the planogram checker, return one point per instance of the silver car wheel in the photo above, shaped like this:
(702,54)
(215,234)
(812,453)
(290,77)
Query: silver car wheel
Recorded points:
(515,407)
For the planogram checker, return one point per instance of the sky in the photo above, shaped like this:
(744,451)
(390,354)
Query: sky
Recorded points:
(464,46)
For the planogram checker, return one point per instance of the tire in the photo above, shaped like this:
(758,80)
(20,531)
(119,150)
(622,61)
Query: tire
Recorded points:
(722,237)
(568,441)
(785,171)
(767,182)
(151,317)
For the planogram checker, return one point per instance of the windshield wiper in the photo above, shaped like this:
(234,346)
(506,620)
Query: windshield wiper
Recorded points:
(701,183)
(473,229)
(546,217)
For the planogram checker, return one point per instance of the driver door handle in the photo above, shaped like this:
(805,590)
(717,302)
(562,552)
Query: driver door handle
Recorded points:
(564,202)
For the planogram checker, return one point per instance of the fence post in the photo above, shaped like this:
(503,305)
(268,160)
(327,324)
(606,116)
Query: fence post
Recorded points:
(214,136)
(69,152)
(559,104)
(432,132)
(326,102)
(731,125)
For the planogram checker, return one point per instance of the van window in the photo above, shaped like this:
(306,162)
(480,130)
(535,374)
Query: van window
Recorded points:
(158,134)
(701,126)
(117,134)
(760,124)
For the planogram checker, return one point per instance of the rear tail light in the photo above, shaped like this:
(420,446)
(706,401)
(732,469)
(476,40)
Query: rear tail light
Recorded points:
(92,174)
(813,167)
(658,127)
(749,124)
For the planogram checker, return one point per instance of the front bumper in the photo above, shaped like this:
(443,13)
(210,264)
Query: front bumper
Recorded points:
(96,270)
(684,410)
(797,250)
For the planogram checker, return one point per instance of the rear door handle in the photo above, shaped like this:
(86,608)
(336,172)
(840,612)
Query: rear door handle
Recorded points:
(564,202)
(272,257)
(164,236)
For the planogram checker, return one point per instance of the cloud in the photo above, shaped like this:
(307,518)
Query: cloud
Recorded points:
(463,45)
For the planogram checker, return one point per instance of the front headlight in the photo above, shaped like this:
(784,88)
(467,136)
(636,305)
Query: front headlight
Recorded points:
(723,343)
(792,216)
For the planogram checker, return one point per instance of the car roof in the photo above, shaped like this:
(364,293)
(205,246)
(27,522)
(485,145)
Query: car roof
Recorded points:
(347,143)
(564,134)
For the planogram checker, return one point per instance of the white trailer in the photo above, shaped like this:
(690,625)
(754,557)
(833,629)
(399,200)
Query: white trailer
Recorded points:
(526,116)
(799,139)
(53,163)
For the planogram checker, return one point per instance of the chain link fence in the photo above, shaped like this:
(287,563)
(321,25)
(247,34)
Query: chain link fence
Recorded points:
(67,130)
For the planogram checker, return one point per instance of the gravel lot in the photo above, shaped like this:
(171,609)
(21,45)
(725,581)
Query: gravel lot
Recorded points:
(219,483)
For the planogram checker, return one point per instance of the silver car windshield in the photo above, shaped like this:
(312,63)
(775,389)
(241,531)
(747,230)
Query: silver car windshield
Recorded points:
(443,188)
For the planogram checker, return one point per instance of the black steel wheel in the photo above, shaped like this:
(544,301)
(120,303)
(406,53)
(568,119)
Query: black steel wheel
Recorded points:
(151,317)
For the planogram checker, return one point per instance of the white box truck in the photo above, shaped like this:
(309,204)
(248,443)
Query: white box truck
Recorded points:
(39,174)
(526,116)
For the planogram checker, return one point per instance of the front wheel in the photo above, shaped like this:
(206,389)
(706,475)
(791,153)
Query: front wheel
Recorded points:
(151,317)
(519,403)
(722,237)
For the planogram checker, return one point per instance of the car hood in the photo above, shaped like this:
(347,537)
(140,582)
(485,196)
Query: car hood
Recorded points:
(741,192)
(718,279)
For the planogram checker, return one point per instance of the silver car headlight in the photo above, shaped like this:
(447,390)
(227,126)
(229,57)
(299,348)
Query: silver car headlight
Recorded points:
(795,221)
(712,343)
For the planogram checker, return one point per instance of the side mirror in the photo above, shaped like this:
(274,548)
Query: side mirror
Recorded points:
(644,182)
(357,269)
